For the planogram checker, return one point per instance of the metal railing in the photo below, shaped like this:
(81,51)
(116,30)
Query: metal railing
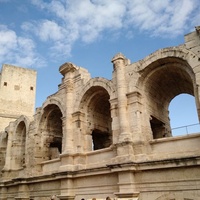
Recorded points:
(187,129)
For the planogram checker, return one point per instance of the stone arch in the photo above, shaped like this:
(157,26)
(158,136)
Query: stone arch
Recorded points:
(21,127)
(24,119)
(55,101)
(166,74)
(171,52)
(3,147)
(102,82)
(95,105)
(51,129)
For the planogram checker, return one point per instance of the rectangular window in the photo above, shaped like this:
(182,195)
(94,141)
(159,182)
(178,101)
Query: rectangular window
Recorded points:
(17,87)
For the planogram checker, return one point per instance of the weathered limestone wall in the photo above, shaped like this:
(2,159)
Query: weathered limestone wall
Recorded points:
(97,137)
(17,89)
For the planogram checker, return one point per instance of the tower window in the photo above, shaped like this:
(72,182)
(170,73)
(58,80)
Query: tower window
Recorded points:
(5,83)
(31,88)
(17,87)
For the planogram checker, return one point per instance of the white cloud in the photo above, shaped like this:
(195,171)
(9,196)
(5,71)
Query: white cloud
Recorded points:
(162,17)
(86,20)
(17,50)
(89,19)
(8,41)
(49,30)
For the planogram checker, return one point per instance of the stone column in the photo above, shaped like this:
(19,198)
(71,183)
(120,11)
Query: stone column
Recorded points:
(9,158)
(23,192)
(3,193)
(67,189)
(79,124)
(119,67)
(67,71)
(135,114)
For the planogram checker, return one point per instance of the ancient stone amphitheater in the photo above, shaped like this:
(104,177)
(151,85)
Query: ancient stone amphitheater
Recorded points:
(96,137)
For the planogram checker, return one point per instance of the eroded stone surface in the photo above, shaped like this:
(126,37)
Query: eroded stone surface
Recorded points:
(97,137)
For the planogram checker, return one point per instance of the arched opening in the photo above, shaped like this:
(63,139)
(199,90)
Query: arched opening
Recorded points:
(3,147)
(52,132)
(167,78)
(97,106)
(19,145)
(183,115)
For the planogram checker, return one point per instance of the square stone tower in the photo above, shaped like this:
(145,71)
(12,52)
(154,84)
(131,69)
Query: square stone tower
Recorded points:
(17,93)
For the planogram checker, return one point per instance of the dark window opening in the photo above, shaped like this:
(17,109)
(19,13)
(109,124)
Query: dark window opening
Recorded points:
(5,83)
(100,139)
(57,143)
(19,149)
(157,127)
(31,88)
(54,128)
(17,87)
(97,105)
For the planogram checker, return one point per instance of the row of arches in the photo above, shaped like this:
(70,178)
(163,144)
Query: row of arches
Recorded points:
(159,83)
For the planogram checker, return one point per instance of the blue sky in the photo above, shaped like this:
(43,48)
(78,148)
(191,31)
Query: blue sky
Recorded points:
(44,34)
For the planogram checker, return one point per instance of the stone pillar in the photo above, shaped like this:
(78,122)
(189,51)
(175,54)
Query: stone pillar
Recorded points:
(67,71)
(79,125)
(135,114)
(8,157)
(3,193)
(23,192)
(115,124)
(67,190)
(127,185)
(119,66)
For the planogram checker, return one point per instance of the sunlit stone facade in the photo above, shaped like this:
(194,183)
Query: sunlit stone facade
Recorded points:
(96,137)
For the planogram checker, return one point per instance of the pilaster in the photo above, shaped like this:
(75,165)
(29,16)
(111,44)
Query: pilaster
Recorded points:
(78,120)
(3,193)
(67,71)
(119,66)
(8,158)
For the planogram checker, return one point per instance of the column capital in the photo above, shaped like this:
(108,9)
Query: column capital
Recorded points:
(118,56)
(67,67)
(120,60)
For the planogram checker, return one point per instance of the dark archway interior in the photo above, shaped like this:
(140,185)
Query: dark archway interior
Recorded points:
(53,116)
(54,126)
(100,139)
(99,117)
(20,144)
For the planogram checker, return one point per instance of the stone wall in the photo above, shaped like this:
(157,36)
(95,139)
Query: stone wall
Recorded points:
(98,138)
(17,89)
